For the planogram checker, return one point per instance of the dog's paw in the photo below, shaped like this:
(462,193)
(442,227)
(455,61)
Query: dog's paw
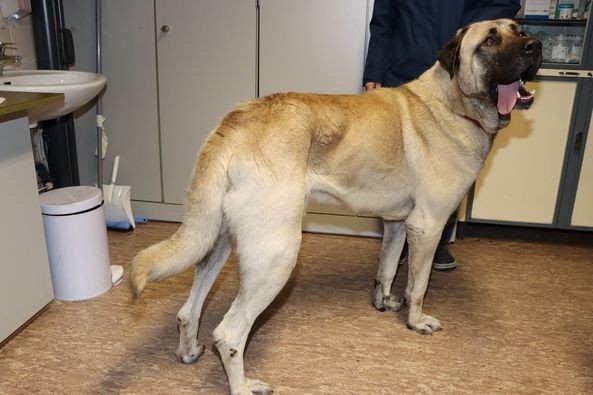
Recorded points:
(387,303)
(191,354)
(426,326)
(255,387)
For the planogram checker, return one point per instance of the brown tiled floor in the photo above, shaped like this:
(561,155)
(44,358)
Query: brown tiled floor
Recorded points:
(517,316)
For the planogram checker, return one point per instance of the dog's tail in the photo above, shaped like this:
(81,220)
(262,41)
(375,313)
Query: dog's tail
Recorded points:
(201,223)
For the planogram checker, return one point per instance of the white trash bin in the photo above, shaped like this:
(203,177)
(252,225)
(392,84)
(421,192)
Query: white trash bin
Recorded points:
(76,238)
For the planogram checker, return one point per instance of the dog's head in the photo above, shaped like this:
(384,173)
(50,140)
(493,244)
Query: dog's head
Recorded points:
(490,61)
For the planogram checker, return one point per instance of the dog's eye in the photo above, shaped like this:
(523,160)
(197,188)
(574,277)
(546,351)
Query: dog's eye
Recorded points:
(522,33)
(489,41)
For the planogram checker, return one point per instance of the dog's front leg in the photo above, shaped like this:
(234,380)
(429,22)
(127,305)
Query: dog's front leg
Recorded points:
(423,234)
(394,235)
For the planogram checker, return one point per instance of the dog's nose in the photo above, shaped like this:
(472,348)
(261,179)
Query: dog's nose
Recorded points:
(532,46)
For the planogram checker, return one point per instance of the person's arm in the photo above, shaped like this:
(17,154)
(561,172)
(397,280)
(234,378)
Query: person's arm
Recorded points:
(493,9)
(381,28)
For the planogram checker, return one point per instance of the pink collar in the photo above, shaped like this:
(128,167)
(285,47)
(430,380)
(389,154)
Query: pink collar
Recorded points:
(474,121)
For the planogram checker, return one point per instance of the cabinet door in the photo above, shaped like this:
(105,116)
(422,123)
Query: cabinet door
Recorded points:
(130,101)
(521,177)
(25,281)
(582,214)
(312,46)
(206,65)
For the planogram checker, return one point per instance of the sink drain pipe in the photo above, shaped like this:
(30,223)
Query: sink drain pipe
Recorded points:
(100,117)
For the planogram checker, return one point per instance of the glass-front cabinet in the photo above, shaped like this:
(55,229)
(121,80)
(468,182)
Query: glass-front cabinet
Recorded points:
(562,40)
(562,27)
(539,172)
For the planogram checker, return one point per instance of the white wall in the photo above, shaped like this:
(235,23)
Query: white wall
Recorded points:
(19,32)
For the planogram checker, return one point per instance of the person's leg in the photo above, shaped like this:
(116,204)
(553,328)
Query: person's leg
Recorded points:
(443,260)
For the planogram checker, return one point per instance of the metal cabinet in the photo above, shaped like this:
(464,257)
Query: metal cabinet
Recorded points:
(316,46)
(130,102)
(540,169)
(582,212)
(174,67)
(25,281)
(312,46)
(573,205)
(206,54)
(521,177)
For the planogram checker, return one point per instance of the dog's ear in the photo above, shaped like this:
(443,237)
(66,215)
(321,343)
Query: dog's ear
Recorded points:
(448,56)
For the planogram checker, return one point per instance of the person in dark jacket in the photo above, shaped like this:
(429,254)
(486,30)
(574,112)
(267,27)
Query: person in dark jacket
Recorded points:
(406,36)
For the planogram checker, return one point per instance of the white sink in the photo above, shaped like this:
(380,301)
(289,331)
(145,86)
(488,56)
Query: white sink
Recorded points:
(78,88)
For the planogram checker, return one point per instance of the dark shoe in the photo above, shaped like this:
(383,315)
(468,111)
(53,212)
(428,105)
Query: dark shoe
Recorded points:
(443,260)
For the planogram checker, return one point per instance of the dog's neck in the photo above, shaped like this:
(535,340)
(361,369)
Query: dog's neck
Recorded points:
(450,93)
(473,120)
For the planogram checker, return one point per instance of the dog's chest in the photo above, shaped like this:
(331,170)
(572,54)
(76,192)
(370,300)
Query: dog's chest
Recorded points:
(383,196)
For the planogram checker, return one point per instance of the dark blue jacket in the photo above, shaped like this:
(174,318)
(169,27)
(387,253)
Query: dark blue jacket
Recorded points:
(406,35)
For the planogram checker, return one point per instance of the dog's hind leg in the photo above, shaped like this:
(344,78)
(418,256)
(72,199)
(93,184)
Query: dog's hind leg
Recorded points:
(264,272)
(423,233)
(188,318)
(268,238)
(394,235)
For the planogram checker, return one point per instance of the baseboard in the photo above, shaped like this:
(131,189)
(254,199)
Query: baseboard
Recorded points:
(312,222)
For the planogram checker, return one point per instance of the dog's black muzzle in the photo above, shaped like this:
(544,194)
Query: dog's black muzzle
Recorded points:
(531,50)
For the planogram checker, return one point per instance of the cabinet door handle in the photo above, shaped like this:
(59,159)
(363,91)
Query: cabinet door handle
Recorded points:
(165,28)
(570,73)
(578,141)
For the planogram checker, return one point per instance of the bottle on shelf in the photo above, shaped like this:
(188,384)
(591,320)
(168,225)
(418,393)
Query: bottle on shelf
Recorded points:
(576,49)
(559,48)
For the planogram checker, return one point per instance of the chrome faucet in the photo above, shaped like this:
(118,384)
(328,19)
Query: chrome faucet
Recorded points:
(4,59)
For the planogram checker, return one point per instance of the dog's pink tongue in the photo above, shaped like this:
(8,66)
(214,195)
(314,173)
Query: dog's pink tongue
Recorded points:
(507,97)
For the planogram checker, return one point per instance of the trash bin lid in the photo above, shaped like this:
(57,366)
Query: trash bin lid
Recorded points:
(70,200)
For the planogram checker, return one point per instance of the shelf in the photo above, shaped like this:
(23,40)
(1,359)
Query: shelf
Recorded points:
(552,22)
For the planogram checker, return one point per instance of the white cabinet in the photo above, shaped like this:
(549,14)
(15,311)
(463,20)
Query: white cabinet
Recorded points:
(312,46)
(521,178)
(25,282)
(582,214)
(174,68)
(130,102)
(316,46)
(206,65)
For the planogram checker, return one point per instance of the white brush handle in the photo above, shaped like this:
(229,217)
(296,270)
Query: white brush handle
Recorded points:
(115,169)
